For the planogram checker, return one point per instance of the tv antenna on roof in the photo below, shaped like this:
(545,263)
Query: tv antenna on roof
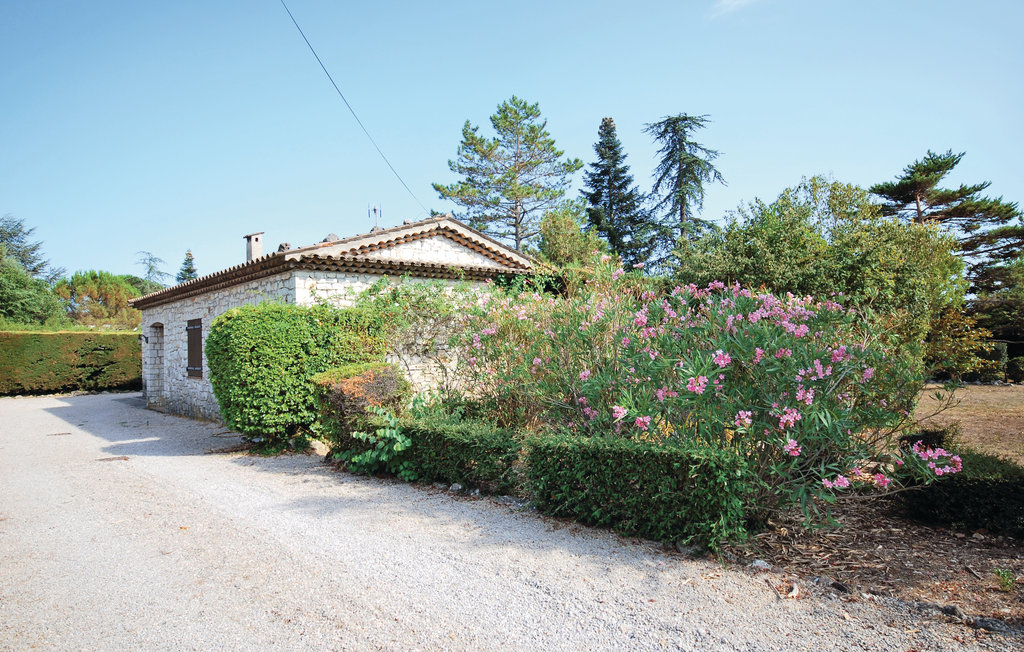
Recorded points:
(374,213)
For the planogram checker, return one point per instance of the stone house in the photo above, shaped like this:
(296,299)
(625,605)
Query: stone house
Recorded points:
(176,320)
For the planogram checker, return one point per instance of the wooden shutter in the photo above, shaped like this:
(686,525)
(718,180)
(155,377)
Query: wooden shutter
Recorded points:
(194,331)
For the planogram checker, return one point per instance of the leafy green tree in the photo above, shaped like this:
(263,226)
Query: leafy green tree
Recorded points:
(142,285)
(990,231)
(20,247)
(684,169)
(152,264)
(510,181)
(615,207)
(188,269)
(825,238)
(563,242)
(25,299)
(99,298)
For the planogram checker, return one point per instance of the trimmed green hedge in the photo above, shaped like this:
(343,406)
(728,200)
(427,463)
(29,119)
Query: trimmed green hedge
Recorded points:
(42,363)
(988,493)
(650,490)
(471,453)
(263,357)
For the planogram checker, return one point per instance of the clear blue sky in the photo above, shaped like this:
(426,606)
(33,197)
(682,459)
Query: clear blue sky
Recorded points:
(128,126)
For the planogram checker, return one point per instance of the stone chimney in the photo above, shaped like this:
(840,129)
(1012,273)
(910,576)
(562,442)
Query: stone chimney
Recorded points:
(253,246)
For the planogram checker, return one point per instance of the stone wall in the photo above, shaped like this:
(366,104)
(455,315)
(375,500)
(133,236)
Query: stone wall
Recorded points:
(164,376)
(435,249)
(165,350)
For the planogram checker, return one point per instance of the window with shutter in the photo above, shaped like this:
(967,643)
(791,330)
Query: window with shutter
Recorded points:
(194,331)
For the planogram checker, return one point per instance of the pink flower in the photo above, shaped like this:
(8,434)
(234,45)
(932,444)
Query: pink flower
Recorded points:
(643,423)
(617,273)
(625,342)
(640,319)
(784,353)
(584,374)
(618,412)
(722,359)
(793,448)
(789,418)
(841,481)
(537,362)
(605,258)
(881,480)
(840,354)
(869,373)
(664,392)
(758,355)
(638,266)
(743,419)
(697,385)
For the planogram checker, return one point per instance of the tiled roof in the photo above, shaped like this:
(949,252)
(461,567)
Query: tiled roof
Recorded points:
(351,260)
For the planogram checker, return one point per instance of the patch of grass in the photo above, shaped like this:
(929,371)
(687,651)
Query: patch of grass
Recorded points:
(1006,579)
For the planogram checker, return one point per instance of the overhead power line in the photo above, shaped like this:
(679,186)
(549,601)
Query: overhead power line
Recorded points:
(352,111)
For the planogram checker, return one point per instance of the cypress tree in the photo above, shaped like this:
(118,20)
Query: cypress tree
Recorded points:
(614,208)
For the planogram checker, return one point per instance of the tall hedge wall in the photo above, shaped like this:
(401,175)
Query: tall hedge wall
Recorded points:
(263,358)
(42,363)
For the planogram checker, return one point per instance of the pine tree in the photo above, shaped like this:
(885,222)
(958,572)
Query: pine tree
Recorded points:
(188,269)
(615,208)
(679,179)
(510,181)
(152,264)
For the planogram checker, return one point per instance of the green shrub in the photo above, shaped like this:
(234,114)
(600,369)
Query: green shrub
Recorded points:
(346,392)
(472,453)
(40,363)
(988,493)
(382,449)
(657,491)
(1015,370)
(995,365)
(263,357)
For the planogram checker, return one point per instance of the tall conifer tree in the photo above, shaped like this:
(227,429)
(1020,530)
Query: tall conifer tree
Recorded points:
(509,182)
(188,269)
(615,207)
(685,167)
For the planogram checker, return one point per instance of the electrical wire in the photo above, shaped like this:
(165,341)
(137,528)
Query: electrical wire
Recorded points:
(352,111)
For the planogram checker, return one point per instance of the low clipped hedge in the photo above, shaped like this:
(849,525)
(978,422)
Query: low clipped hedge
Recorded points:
(344,394)
(263,357)
(655,491)
(42,363)
(988,493)
(471,453)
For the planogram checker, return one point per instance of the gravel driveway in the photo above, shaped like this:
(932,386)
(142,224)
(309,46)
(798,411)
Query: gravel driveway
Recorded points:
(118,531)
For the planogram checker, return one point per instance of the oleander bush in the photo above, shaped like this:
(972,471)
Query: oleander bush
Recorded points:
(263,358)
(41,363)
(809,394)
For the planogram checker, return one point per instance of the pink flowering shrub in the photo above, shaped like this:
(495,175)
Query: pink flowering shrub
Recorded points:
(803,390)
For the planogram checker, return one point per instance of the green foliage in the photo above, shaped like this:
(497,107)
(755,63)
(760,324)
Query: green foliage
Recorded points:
(994,362)
(825,238)
(188,269)
(98,298)
(263,357)
(23,298)
(563,243)
(1006,579)
(1000,307)
(656,491)
(142,285)
(41,363)
(472,453)
(152,264)
(615,206)
(382,450)
(348,394)
(1015,370)
(684,169)
(510,181)
(990,231)
(16,240)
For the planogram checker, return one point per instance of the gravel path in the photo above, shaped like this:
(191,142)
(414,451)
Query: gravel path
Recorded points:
(174,549)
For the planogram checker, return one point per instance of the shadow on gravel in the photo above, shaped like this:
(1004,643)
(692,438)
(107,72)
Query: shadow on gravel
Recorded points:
(132,430)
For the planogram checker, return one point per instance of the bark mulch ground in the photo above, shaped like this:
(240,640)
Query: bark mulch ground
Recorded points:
(878,551)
